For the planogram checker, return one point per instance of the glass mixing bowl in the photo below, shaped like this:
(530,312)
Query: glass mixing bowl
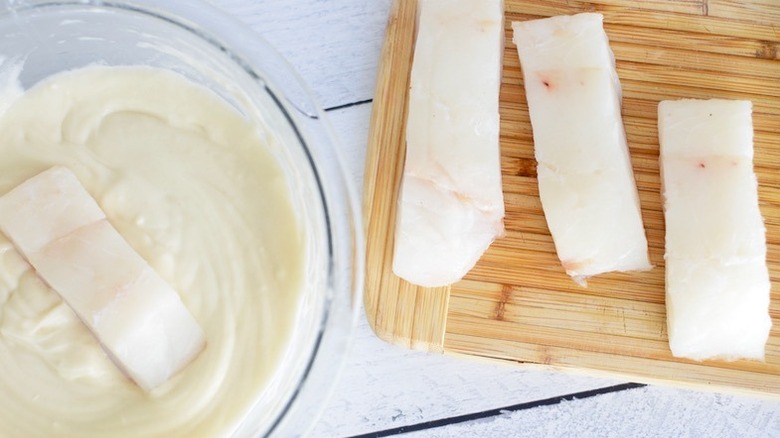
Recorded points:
(202,43)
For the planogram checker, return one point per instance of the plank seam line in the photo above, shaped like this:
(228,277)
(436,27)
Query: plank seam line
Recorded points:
(500,411)
(349,105)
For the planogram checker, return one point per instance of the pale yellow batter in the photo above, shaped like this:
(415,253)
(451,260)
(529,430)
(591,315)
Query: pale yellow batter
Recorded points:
(191,186)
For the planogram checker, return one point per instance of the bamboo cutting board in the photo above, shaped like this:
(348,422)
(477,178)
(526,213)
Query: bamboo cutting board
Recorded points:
(517,303)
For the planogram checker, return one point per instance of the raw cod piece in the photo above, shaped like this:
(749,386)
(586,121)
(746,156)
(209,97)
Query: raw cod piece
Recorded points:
(137,317)
(717,281)
(451,205)
(586,182)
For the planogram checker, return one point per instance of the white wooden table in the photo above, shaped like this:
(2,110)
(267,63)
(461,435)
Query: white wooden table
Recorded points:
(385,390)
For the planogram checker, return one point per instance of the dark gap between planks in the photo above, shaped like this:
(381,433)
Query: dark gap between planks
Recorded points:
(499,411)
(348,105)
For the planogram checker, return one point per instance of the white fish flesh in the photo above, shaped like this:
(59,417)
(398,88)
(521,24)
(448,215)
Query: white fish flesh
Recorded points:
(451,204)
(717,281)
(586,182)
(138,318)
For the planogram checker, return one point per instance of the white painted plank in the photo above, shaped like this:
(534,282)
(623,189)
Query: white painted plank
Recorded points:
(384,387)
(333,44)
(351,128)
(643,412)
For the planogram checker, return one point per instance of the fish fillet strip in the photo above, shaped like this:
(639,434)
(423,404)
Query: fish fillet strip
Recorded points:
(451,204)
(717,281)
(586,182)
(138,318)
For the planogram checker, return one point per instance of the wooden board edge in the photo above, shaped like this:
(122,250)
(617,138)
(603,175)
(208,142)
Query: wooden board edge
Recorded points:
(644,379)
(397,312)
